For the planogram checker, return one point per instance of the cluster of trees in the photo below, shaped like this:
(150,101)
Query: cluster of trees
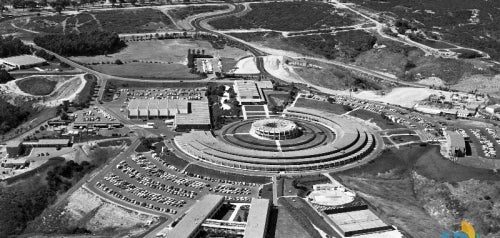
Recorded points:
(84,98)
(286,16)
(11,116)
(213,93)
(88,43)
(5,76)
(347,45)
(194,54)
(24,201)
(11,46)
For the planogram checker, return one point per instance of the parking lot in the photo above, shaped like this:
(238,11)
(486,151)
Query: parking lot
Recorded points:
(146,180)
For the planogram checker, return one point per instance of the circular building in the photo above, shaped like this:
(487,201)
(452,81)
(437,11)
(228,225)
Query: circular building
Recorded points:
(275,129)
(303,140)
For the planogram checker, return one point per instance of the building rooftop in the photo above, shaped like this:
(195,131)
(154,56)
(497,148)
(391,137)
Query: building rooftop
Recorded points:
(21,60)
(456,140)
(196,216)
(200,115)
(246,89)
(48,142)
(257,218)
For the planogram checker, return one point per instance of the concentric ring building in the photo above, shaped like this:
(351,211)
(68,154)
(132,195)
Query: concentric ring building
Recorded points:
(302,140)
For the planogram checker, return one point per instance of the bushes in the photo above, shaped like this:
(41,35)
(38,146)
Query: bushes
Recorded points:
(10,46)
(11,116)
(285,16)
(5,76)
(93,43)
(85,96)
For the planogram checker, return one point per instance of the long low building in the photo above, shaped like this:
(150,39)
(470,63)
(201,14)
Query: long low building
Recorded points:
(189,226)
(156,108)
(22,62)
(188,114)
(48,143)
(257,219)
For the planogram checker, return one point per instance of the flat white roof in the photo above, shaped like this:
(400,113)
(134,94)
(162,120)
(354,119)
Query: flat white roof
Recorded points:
(22,60)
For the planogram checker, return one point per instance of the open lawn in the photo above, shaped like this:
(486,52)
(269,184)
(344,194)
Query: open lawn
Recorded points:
(166,51)
(147,70)
(119,21)
(322,105)
(38,86)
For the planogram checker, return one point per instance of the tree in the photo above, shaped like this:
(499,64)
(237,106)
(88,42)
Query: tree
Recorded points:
(5,76)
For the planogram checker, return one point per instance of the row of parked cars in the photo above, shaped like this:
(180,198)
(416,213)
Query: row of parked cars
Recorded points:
(153,170)
(115,180)
(230,190)
(118,195)
(487,145)
(149,182)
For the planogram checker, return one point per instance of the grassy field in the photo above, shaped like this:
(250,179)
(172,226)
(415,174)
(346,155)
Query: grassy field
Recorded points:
(119,21)
(38,86)
(147,71)
(156,58)
(167,51)
(323,106)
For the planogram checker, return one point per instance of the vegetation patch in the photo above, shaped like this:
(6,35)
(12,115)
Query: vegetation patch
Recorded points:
(92,43)
(38,86)
(286,16)
(454,18)
(119,21)
(85,96)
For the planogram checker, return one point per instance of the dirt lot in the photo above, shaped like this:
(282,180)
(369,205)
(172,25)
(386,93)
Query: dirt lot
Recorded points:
(87,211)
(417,190)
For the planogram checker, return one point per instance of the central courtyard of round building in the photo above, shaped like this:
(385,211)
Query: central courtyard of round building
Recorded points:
(301,140)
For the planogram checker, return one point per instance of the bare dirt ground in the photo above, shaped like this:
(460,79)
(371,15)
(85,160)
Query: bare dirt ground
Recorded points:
(67,88)
(246,66)
(405,96)
(484,84)
(86,210)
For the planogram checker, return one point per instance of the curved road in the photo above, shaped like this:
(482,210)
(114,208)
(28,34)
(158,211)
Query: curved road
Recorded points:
(201,25)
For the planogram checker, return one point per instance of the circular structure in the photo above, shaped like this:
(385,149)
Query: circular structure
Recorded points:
(304,140)
(275,129)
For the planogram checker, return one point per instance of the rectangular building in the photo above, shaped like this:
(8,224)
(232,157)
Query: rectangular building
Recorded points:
(257,219)
(456,143)
(189,226)
(197,118)
(48,143)
(247,92)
